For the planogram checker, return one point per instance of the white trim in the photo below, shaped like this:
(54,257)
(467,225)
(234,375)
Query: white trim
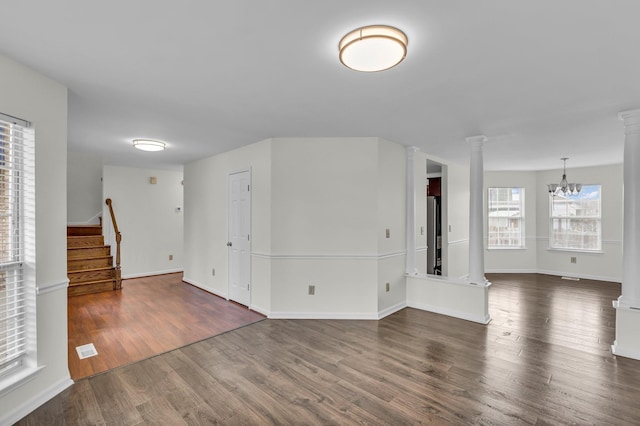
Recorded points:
(95,220)
(449,312)
(392,309)
(463,281)
(455,242)
(13,416)
(579,275)
(318,256)
(324,315)
(617,351)
(205,288)
(575,250)
(260,310)
(511,271)
(421,248)
(51,287)
(150,274)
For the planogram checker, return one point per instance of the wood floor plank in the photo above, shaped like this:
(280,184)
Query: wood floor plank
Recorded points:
(149,316)
(544,359)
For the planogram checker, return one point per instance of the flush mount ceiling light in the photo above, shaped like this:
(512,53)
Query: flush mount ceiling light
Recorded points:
(149,145)
(373,48)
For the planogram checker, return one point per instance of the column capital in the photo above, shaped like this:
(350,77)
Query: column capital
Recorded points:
(631,120)
(476,141)
(411,149)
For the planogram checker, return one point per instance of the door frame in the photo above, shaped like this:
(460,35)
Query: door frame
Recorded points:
(229,174)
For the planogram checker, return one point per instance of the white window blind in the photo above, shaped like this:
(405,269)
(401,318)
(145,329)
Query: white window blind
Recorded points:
(17,208)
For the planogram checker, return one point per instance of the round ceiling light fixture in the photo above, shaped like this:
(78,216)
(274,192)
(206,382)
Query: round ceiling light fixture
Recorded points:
(373,48)
(149,145)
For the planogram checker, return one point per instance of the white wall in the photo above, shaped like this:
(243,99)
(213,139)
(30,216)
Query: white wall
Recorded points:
(320,208)
(605,266)
(324,227)
(31,96)
(514,260)
(151,227)
(538,257)
(455,220)
(205,221)
(84,187)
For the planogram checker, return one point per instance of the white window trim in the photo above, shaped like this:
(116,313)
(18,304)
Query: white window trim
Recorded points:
(569,249)
(523,237)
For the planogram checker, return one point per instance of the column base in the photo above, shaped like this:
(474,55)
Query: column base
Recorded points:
(627,343)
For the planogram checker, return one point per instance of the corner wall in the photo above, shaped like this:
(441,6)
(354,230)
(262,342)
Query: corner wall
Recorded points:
(84,188)
(31,96)
(151,226)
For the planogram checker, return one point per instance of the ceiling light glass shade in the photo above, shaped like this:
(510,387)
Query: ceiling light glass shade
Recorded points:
(373,48)
(148,145)
(564,187)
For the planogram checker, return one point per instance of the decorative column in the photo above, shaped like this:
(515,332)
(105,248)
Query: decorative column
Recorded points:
(627,306)
(411,212)
(476,212)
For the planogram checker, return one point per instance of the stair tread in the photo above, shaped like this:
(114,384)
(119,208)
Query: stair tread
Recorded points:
(105,268)
(87,247)
(106,280)
(91,257)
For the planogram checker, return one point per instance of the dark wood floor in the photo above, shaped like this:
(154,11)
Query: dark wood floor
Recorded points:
(544,359)
(149,316)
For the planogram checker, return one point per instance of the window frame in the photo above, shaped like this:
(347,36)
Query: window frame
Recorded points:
(17,252)
(521,219)
(553,246)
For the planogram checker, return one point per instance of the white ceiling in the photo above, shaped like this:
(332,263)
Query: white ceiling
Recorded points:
(541,79)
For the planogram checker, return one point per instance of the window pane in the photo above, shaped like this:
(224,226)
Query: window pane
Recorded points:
(505,225)
(576,220)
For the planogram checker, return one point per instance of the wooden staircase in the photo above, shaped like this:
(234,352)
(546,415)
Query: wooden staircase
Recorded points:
(89,262)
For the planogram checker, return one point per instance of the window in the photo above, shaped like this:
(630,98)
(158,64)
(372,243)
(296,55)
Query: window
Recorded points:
(506,218)
(17,239)
(575,220)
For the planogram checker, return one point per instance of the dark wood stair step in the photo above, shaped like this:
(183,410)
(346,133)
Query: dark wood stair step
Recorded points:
(85,241)
(89,263)
(87,275)
(81,230)
(88,287)
(89,251)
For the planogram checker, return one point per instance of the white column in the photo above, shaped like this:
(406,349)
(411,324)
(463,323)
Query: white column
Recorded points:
(476,212)
(627,306)
(411,212)
(631,241)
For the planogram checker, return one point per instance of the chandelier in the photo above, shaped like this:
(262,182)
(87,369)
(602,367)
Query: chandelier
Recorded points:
(564,187)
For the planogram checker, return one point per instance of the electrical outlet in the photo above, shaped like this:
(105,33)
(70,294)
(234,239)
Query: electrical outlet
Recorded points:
(387,287)
(170,257)
(312,290)
(388,233)
(213,272)
(422,230)
(574,259)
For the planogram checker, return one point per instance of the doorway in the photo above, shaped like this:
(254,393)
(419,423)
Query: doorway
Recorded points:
(239,222)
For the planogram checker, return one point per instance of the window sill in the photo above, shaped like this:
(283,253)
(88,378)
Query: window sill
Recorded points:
(575,250)
(505,248)
(17,379)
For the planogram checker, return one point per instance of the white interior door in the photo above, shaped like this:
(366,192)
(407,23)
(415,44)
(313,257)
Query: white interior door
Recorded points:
(239,237)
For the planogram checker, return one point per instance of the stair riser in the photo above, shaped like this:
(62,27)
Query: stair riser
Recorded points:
(83,230)
(89,241)
(78,264)
(77,290)
(82,276)
(82,253)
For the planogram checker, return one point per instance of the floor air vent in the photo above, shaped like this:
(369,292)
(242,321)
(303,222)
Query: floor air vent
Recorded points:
(86,351)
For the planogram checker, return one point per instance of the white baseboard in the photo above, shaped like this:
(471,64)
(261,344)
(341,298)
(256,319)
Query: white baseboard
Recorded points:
(10,417)
(511,271)
(618,351)
(260,310)
(450,312)
(324,315)
(392,309)
(578,275)
(205,288)
(150,274)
